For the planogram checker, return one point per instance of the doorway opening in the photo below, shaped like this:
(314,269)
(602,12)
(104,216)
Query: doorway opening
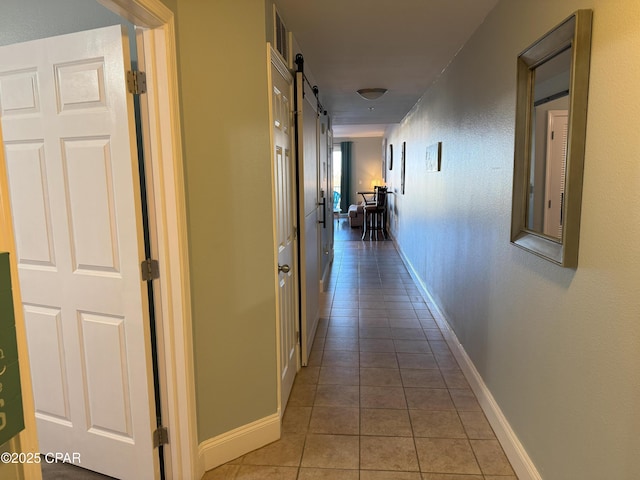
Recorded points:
(169,240)
(76,209)
(337,180)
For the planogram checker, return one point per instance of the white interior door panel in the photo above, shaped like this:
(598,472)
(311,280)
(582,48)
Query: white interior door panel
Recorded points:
(70,150)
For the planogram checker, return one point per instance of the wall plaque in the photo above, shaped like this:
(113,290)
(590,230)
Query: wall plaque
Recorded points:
(433,157)
(11,416)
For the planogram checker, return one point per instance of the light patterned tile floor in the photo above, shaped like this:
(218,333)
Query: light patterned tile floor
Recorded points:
(383,397)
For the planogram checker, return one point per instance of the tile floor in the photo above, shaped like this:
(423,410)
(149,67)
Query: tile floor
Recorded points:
(64,471)
(383,397)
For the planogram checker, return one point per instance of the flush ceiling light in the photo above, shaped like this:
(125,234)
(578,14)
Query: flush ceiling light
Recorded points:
(371,93)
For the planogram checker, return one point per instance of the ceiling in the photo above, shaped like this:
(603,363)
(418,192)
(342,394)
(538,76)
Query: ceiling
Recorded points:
(402,46)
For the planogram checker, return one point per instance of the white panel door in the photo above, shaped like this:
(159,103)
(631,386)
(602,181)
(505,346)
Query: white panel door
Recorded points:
(557,130)
(75,198)
(286,236)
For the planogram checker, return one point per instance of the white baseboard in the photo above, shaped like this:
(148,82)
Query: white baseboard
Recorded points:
(240,441)
(327,272)
(517,455)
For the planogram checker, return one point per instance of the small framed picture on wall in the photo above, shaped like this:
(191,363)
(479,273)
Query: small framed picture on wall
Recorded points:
(384,160)
(403,159)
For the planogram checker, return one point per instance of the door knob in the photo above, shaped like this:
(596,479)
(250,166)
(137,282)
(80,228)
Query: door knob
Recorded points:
(284,268)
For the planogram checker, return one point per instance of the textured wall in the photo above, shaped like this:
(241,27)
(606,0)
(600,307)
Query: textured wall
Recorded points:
(23,20)
(558,348)
(223,81)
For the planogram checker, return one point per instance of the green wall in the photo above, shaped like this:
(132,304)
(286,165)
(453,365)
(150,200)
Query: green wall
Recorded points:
(223,82)
(171,4)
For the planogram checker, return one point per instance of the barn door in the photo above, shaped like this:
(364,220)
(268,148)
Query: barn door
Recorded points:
(311,212)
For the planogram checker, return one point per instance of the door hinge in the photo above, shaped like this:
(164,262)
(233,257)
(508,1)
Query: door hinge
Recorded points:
(150,270)
(160,437)
(136,82)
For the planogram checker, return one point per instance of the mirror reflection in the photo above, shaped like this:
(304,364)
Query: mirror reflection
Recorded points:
(549,141)
(549,135)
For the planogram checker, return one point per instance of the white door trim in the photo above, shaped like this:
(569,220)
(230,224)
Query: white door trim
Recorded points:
(557,122)
(166,188)
(168,198)
(275,61)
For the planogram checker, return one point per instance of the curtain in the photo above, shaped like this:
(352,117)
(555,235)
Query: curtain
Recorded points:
(345,182)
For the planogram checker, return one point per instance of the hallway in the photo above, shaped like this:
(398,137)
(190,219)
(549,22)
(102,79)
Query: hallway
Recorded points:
(383,397)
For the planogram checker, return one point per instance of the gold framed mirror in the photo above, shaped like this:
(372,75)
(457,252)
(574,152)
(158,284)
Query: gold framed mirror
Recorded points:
(550,130)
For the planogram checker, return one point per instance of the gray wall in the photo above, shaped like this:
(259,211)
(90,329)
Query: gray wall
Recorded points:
(23,20)
(558,348)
